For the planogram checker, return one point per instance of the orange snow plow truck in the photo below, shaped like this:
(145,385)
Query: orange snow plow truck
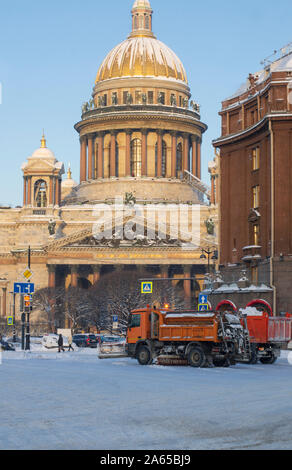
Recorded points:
(186,337)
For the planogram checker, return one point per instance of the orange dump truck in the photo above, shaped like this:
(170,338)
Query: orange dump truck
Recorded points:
(267,335)
(175,337)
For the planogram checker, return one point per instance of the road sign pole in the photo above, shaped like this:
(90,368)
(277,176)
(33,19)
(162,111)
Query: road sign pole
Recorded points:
(22,330)
(14,329)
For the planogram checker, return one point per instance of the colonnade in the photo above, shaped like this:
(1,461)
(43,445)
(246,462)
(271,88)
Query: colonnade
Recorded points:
(92,150)
(73,278)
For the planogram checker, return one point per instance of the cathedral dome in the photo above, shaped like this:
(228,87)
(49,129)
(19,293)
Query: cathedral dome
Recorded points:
(142,55)
(43,151)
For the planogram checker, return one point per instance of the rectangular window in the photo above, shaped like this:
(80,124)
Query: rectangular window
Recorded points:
(255,158)
(135,321)
(161,97)
(256,235)
(150,97)
(256,197)
(105,100)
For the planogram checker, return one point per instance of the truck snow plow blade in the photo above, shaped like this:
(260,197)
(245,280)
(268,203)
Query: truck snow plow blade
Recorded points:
(169,360)
(108,351)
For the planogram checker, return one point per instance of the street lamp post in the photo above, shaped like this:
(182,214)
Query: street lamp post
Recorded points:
(209,252)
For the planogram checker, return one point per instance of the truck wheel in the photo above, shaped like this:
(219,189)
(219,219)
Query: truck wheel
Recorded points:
(254,355)
(144,356)
(196,357)
(223,362)
(268,360)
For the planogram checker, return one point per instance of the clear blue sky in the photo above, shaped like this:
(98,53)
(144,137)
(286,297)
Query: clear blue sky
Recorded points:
(51,51)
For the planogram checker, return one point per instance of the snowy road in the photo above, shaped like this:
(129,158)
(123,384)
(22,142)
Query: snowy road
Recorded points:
(68,401)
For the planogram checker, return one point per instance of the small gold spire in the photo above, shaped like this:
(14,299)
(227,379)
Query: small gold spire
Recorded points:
(69,172)
(43,141)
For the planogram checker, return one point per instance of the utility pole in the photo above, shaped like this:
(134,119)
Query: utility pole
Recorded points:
(27,309)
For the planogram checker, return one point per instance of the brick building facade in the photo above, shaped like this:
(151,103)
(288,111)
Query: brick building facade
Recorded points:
(256,180)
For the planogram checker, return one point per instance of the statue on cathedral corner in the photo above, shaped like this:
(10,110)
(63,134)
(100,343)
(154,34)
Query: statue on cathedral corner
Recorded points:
(52,227)
(210,226)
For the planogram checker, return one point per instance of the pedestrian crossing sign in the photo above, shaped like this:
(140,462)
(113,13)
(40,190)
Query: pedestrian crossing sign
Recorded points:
(203,307)
(147,288)
(10,321)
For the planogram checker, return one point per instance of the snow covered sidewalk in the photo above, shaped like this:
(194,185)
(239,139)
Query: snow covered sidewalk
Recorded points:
(76,401)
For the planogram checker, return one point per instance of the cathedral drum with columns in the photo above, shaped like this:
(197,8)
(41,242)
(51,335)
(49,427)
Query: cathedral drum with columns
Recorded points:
(140,152)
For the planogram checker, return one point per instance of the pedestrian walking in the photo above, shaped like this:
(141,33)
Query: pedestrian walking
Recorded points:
(61,343)
(70,341)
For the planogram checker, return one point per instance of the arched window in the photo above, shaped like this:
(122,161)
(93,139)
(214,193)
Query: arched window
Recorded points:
(40,193)
(136,158)
(147,23)
(179,154)
(164,159)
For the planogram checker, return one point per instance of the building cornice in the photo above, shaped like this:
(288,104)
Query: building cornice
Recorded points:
(250,130)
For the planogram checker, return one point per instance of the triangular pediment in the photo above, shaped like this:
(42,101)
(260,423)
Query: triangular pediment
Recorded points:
(126,232)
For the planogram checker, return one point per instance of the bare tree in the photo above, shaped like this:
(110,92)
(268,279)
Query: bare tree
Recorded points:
(119,293)
(49,303)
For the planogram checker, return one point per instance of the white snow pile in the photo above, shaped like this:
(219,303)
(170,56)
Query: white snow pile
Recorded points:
(250,312)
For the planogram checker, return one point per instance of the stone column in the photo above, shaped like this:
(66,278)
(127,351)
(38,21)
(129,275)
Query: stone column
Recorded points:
(187,283)
(212,189)
(159,153)
(83,159)
(194,156)
(186,152)
(128,152)
(60,192)
(51,189)
(52,276)
(173,154)
(96,274)
(164,271)
(199,158)
(90,157)
(29,191)
(4,301)
(74,276)
(100,155)
(113,155)
(24,191)
(144,152)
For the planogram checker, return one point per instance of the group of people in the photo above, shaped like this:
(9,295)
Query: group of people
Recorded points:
(61,343)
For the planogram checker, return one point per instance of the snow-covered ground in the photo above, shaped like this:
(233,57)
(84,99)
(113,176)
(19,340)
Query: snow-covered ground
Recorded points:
(76,401)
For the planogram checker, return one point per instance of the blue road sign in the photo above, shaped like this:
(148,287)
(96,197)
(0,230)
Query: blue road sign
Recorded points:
(23,288)
(203,307)
(115,319)
(203,299)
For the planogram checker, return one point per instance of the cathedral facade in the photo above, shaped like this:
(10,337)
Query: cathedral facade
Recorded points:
(140,201)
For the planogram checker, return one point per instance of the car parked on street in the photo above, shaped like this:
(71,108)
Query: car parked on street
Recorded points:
(85,340)
(4,346)
(50,341)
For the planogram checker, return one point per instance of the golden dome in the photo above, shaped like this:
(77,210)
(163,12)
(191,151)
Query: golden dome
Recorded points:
(142,55)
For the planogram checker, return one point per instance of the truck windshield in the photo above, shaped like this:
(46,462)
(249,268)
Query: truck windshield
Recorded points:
(135,321)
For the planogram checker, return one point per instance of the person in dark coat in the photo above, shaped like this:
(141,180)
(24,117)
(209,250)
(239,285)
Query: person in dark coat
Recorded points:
(60,343)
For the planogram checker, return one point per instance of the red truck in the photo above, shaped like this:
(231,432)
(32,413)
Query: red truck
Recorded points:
(267,336)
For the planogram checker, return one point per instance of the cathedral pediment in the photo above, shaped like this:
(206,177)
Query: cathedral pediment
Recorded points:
(129,233)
